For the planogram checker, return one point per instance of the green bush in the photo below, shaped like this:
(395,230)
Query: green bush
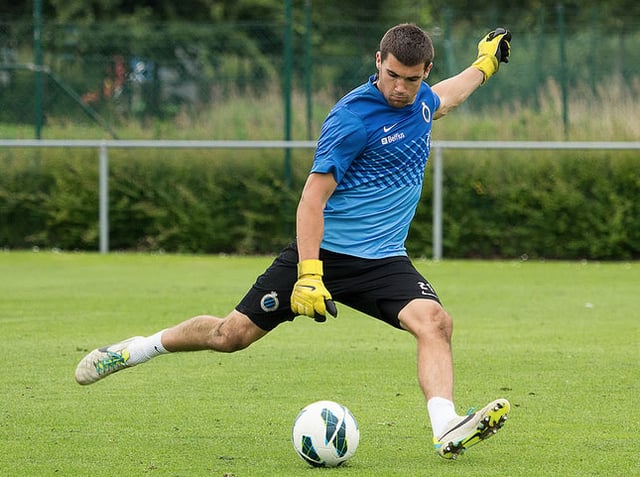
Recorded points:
(536,204)
(24,190)
(562,204)
(197,203)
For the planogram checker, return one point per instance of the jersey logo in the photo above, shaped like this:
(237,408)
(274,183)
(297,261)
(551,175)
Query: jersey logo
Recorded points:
(426,113)
(386,129)
(392,138)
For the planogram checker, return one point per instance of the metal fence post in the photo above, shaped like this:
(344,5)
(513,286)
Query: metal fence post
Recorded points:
(564,69)
(104,198)
(39,79)
(437,203)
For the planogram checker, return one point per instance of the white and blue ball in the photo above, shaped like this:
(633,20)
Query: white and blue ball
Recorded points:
(325,434)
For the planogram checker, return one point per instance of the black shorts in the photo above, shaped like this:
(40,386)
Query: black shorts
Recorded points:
(378,287)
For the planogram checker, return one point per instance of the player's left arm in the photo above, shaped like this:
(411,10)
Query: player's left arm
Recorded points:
(493,49)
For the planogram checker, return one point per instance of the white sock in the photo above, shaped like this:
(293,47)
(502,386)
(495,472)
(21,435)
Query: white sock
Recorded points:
(441,411)
(144,348)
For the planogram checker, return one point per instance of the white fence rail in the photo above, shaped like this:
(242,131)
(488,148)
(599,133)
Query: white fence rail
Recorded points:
(437,150)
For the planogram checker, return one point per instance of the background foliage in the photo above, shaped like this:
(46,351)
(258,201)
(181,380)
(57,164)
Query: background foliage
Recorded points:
(214,70)
(155,60)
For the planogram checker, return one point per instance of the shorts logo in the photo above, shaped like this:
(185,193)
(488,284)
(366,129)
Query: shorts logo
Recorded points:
(426,289)
(270,302)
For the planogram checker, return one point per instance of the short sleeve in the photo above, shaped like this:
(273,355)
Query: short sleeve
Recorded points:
(342,139)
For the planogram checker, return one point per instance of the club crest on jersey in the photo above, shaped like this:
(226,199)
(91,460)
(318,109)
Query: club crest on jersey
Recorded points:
(426,113)
(270,302)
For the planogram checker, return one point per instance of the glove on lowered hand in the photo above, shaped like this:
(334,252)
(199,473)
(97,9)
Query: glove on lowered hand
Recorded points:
(309,296)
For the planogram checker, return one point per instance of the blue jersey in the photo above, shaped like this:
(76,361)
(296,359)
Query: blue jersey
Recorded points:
(377,155)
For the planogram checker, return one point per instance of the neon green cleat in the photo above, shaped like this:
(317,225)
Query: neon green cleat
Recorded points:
(102,362)
(466,431)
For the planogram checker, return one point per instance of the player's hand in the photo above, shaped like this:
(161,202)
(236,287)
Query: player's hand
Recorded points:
(310,297)
(493,49)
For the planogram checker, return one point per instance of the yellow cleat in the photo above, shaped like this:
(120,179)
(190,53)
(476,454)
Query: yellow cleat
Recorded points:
(466,431)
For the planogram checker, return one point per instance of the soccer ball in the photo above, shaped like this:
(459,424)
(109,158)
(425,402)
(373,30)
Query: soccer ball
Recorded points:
(325,434)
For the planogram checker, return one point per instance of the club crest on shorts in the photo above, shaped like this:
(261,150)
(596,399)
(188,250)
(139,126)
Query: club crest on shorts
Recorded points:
(270,302)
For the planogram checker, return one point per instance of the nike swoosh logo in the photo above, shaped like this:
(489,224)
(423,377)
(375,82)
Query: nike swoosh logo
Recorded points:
(310,287)
(457,426)
(389,128)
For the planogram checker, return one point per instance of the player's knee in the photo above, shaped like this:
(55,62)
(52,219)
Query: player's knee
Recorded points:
(427,318)
(234,333)
(442,321)
(227,340)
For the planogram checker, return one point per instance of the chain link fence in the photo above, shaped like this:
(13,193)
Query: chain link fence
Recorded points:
(110,73)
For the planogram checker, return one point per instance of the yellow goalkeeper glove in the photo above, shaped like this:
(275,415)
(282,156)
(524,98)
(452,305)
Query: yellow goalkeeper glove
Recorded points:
(310,297)
(493,49)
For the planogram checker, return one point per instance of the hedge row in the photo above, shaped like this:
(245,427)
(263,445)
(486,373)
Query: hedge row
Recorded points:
(568,205)
(176,202)
(559,205)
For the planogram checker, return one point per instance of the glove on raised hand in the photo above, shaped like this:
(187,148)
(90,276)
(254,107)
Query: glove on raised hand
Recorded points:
(493,49)
(309,296)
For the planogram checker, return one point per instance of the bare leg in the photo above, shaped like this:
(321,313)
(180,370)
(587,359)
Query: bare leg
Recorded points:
(205,332)
(452,434)
(432,326)
(233,333)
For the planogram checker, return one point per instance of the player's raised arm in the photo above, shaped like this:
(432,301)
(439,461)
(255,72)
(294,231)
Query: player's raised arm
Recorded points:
(493,49)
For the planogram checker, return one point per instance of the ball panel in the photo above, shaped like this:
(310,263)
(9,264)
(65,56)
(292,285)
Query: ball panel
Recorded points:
(325,434)
(308,452)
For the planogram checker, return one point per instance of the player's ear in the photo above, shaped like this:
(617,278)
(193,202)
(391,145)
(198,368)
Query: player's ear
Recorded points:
(427,70)
(378,60)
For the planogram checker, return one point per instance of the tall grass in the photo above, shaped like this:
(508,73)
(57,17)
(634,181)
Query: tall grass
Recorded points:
(609,111)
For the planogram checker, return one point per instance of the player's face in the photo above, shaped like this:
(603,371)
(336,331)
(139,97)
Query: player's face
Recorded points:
(398,83)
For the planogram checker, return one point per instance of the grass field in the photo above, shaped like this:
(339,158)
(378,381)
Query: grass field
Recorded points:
(559,340)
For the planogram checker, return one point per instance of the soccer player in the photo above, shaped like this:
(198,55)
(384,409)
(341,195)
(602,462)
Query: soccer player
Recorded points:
(352,221)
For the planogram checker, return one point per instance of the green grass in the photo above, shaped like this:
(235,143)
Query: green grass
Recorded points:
(560,340)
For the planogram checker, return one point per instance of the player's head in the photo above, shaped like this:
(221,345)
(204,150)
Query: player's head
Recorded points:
(409,44)
(403,62)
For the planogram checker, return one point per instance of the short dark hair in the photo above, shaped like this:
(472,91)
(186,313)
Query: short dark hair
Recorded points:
(409,44)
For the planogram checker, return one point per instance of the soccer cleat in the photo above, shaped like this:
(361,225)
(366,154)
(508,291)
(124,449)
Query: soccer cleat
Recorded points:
(466,431)
(102,362)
